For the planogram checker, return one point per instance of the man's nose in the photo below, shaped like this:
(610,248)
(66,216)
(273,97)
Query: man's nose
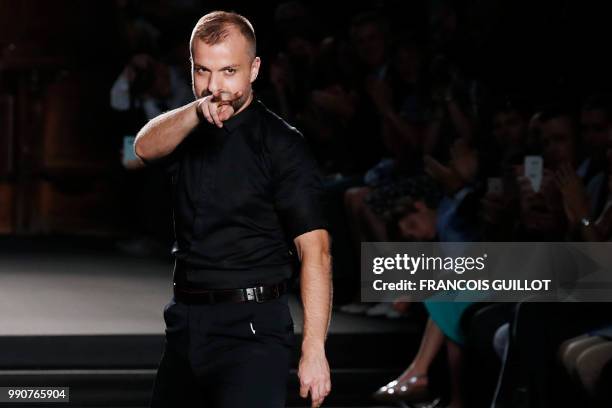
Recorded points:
(215,83)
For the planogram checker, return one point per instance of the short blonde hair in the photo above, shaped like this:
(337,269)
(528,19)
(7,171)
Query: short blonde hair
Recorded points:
(213,28)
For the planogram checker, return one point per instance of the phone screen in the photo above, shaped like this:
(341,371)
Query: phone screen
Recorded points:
(128,149)
(533,171)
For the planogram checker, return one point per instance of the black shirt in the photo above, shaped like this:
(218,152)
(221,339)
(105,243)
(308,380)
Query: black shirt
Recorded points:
(241,194)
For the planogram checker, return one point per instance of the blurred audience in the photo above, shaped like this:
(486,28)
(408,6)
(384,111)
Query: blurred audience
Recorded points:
(416,144)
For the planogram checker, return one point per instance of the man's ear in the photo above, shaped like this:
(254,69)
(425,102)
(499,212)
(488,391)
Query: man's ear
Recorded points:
(255,68)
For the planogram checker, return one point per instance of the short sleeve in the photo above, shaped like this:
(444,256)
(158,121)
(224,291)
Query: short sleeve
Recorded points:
(171,162)
(299,197)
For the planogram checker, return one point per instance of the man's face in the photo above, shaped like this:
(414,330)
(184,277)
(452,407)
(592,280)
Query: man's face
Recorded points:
(595,127)
(418,225)
(369,42)
(509,128)
(558,142)
(227,66)
(407,63)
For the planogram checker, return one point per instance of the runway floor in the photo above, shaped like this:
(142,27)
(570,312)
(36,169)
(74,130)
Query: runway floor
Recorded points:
(80,312)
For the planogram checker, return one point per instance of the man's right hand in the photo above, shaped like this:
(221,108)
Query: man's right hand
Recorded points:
(217,108)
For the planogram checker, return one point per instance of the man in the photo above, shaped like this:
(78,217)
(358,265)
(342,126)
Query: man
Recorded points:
(245,189)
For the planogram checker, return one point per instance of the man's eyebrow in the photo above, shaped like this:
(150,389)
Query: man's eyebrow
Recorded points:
(196,65)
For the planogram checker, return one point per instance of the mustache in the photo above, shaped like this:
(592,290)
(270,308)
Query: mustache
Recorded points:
(225,95)
(234,99)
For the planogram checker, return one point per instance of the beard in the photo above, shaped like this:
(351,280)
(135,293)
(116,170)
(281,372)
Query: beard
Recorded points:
(239,103)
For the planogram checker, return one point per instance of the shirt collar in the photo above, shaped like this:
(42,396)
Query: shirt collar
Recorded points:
(248,113)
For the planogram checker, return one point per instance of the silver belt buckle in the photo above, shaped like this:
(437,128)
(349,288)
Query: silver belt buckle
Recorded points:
(253,294)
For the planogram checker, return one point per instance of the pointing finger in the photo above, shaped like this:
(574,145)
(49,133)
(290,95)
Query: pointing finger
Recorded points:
(225,111)
(206,112)
(215,115)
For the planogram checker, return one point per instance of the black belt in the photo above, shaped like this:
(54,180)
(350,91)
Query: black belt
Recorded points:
(257,294)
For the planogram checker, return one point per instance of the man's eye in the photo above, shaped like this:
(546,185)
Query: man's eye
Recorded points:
(230,70)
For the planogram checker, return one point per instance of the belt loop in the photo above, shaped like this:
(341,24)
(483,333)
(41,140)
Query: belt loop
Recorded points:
(258,292)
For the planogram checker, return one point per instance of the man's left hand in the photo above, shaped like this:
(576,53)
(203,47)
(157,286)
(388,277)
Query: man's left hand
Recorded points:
(314,376)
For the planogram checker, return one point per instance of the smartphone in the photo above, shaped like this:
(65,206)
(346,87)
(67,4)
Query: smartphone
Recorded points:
(128,149)
(495,185)
(534,166)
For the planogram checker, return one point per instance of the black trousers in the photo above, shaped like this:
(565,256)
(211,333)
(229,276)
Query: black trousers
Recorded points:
(225,355)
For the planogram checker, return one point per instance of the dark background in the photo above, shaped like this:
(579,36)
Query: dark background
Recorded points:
(59,143)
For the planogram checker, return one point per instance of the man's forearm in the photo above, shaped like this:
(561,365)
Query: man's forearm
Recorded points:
(161,135)
(317,292)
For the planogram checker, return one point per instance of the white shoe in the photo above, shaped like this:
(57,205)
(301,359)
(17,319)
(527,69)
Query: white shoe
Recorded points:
(354,308)
(394,314)
(380,309)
